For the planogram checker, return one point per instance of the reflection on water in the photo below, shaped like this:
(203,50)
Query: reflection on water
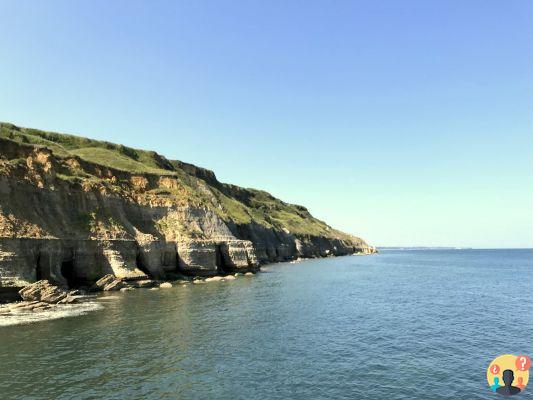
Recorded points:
(400,325)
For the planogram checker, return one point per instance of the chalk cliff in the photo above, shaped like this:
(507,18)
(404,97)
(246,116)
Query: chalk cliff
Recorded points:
(74,209)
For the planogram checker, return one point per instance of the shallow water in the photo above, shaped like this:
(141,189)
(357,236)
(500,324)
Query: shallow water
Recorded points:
(398,325)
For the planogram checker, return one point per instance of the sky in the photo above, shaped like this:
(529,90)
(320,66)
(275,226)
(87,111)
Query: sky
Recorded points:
(408,123)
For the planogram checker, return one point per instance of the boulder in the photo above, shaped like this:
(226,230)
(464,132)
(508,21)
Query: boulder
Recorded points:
(166,285)
(103,282)
(249,274)
(43,291)
(117,284)
(108,283)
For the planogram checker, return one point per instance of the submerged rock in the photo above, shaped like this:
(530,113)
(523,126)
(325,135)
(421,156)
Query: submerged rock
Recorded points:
(145,283)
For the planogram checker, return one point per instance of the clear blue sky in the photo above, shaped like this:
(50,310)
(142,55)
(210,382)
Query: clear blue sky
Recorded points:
(405,122)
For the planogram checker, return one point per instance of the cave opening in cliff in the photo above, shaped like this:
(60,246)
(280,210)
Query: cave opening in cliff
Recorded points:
(141,265)
(221,263)
(67,271)
(39,273)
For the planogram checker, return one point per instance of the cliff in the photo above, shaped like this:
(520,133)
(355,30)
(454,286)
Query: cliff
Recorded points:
(74,209)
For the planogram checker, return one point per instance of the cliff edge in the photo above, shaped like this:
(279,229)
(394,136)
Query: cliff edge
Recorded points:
(74,209)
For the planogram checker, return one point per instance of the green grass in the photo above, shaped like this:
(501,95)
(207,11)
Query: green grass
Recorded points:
(99,152)
(117,160)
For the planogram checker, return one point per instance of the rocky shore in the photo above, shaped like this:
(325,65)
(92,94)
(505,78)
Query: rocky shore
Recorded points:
(43,296)
(80,213)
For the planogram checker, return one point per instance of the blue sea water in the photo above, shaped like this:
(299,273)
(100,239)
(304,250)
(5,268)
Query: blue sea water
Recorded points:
(398,325)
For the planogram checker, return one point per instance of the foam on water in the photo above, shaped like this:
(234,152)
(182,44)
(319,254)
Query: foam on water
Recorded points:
(60,311)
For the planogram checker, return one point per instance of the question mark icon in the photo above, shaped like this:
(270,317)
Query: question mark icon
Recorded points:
(495,369)
(523,363)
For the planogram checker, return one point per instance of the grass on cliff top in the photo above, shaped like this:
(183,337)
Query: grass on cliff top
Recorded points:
(113,159)
(94,151)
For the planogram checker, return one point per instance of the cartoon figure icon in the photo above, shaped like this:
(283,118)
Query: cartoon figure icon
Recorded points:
(496,384)
(508,374)
(508,389)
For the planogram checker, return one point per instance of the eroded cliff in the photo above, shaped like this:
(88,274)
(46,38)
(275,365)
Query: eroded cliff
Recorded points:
(73,210)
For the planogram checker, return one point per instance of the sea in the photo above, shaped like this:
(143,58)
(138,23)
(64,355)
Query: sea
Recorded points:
(401,324)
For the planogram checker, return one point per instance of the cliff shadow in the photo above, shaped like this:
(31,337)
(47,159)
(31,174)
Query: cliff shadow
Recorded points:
(223,266)
(141,265)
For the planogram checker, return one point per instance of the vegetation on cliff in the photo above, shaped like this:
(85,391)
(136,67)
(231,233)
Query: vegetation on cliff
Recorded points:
(77,161)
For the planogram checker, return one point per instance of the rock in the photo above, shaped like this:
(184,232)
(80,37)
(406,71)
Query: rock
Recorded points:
(103,282)
(108,283)
(238,274)
(214,279)
(127,289)
(115,285)
(229,278)
(43,291)
(165,285)
(249,274)
(197,281)
(154,288)
(198,257)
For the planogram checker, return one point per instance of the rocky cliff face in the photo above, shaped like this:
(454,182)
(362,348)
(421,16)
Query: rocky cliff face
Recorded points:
(73,210)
